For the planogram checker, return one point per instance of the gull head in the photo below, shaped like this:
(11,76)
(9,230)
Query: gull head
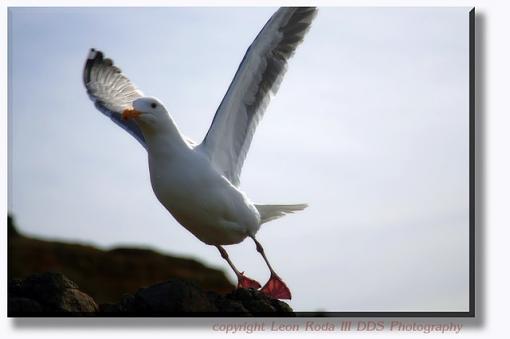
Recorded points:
(148,111)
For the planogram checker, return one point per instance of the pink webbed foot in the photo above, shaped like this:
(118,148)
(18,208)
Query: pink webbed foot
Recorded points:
(276,288)
(245,282)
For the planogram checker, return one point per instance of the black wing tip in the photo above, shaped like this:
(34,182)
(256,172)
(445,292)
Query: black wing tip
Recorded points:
(305,11)
(312,12)
(95,55)
(306,8)
(294,30)
(96,58)
(303,15)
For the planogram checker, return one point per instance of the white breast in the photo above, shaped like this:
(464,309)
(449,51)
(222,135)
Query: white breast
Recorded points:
(201,199)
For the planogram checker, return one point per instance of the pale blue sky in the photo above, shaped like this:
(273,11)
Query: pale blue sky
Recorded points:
(370,127)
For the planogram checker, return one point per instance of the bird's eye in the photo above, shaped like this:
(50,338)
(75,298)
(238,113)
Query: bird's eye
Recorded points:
(153,105)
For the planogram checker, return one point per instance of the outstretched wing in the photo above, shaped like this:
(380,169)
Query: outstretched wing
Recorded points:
(111,91)
(258,76)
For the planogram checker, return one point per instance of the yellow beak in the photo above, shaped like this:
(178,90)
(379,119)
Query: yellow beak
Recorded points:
(130,113)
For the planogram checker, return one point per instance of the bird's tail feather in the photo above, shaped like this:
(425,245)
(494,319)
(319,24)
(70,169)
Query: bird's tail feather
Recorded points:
(271,212)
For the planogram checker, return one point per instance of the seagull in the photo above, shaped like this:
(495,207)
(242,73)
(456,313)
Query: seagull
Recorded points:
(199,183)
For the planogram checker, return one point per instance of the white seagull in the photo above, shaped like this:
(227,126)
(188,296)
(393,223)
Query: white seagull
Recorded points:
(199,184)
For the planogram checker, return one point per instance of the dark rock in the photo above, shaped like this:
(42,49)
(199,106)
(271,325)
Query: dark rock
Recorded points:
(72,300)
(125,305)
(53,293)
(15,287)
(228,305)
(173,296)
(45,285)
(180,297)
(257,302)
(22,306)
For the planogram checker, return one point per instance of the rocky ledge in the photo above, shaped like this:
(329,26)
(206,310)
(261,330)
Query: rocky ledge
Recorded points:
(53,294)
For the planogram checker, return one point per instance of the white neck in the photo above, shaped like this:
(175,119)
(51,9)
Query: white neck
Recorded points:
(163,136)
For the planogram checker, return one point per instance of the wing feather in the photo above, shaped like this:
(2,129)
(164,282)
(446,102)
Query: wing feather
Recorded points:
(258,77)
(111,91)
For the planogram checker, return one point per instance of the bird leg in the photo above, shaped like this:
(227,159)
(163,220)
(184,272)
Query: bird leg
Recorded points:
(275,287)
(242,280)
